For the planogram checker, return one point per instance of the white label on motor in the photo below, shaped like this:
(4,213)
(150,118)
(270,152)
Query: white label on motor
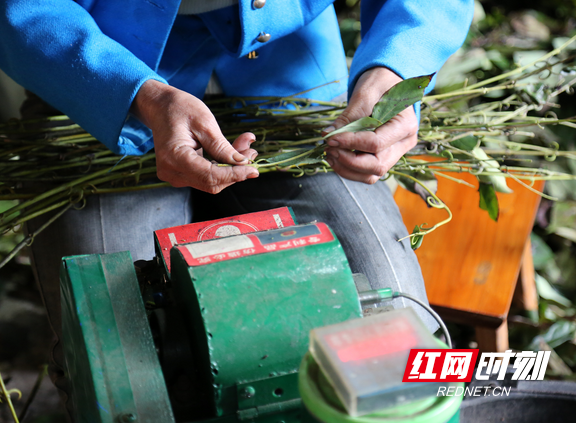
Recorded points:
(278,220)
(219,246)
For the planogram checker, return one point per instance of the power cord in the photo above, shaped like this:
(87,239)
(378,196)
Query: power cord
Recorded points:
(386,294)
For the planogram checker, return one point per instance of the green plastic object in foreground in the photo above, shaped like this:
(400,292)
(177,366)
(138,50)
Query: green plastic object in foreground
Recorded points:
(110,355)
(324,406)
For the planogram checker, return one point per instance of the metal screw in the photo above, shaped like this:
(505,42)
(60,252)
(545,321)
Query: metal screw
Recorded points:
(248,392)
(259,4)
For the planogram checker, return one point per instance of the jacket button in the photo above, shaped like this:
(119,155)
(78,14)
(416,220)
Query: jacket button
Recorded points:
(259,4)
(263,37)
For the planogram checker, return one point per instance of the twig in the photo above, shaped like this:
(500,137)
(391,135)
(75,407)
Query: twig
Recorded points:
(529,188)
(6,394)
(521,69)
(34,391)
(30,238)
(439,204)
(459,181)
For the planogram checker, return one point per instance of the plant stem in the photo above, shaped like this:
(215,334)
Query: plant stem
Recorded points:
(35,389)
(439,205)
(66,186)
(6,395)
(30,238)
(521,69)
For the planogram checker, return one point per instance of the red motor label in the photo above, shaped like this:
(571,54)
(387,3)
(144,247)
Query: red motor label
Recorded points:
(217,250)
(236,225)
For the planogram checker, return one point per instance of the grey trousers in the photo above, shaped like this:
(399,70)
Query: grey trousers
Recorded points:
(364,218)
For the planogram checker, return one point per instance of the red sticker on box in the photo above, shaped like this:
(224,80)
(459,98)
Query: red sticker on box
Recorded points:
(236,225)
(200,253)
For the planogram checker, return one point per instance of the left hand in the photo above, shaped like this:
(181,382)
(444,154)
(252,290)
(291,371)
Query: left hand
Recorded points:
(366,156)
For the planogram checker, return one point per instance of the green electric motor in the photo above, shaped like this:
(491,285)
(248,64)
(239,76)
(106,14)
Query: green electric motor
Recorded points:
(236,320)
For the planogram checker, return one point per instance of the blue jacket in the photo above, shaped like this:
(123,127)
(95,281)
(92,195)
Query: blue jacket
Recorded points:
(89,58)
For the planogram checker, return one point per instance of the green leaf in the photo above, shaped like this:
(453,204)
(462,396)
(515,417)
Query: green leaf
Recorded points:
(563,220)
(567,233)
(399,97)
(557,366)
(8,241)
(488,200)
(416,241)
(396,99)
(498,180)
(297,157)
(560,332)
(425,176)
(546,291)
(7,205)
(542,254)
(363,124)
(467,143)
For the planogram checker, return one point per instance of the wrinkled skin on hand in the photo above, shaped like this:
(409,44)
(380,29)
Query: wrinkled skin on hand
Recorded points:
(367,156)
(184,128)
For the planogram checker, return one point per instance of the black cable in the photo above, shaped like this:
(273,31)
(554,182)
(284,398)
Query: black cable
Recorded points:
(432,312)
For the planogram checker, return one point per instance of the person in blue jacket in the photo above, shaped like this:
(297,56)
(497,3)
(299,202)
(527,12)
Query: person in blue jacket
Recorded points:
(133,73)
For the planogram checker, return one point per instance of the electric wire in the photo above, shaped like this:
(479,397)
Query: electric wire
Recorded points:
(432,312)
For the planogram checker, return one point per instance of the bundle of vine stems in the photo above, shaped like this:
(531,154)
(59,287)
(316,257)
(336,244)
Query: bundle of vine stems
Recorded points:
(460,131)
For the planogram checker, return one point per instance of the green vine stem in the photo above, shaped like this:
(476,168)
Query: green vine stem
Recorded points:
(459,181)
(64,187)
(30,237)
(6,396)
(41,375)
(521,69)
(76,165)
(437,203)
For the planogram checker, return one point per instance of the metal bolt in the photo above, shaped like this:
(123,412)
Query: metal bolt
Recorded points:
(248,392)
(127,418)
(263,37)
(259,4)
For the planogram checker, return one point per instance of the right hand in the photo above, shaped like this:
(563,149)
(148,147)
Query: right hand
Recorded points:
(366,156)
(183,127)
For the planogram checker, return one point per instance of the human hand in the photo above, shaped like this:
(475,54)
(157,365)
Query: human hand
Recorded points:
(366,156)
(184,128)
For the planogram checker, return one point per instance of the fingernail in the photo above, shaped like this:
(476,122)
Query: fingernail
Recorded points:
(333,143)
(253,175)
(254,156)
(239,157)
(333,154)
(330,161)
(328,129)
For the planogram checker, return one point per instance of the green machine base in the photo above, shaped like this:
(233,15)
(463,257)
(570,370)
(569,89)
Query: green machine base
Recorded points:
(221,341)
(110,355)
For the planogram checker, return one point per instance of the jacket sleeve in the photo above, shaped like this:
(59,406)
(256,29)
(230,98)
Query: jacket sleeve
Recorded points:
(410,37)
(55,49)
